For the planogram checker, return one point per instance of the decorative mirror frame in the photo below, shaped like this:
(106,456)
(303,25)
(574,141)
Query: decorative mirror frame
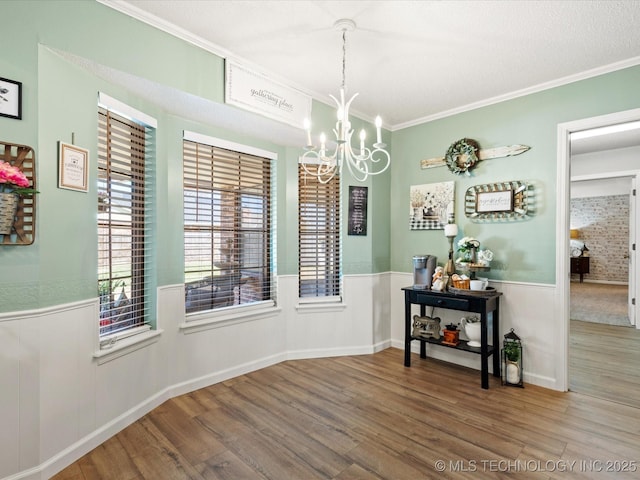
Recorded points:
(511,200)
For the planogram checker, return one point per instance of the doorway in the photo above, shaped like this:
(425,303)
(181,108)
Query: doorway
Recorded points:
(563,224)
(602,239)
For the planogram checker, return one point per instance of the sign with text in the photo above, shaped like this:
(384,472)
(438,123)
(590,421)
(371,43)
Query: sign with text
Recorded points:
(494,201)
(259,94)
(358,210)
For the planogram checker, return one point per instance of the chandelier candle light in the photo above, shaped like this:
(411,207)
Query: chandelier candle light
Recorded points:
(361,163)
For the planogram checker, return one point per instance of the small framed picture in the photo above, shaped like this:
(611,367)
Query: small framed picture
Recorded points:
(494,201)
(10,99)
(73,167)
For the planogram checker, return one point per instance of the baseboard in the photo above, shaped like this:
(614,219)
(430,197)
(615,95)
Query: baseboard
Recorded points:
(83,446)
(223,375)
(329,352)
(66,457)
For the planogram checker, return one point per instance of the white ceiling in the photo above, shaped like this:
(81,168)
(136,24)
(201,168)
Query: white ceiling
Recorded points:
(411,61)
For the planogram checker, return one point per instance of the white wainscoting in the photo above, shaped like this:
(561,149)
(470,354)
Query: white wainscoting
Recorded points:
(58,403)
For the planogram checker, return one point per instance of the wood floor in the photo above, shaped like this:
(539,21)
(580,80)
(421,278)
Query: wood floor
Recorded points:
(369,417)
(604,361)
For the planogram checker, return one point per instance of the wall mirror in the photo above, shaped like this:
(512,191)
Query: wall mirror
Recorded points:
(512,200)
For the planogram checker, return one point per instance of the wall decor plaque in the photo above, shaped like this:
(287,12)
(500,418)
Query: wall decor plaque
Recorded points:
(358,198)
(73,167)
(511,200)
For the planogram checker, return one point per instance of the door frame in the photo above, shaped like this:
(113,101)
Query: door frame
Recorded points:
(562,226)
(634,275)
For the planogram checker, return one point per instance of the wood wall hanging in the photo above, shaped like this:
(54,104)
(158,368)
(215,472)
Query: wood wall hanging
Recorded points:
(461,156)
(23,230)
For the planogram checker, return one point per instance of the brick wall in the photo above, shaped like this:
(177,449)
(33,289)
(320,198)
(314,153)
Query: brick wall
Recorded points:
(604,228)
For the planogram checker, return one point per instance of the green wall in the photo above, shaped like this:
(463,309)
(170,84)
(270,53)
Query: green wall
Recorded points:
(59,101)
(524,250)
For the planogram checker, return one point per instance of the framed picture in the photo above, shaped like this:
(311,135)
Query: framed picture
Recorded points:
(10,99)
(73,167)
(494,201)
(358,198)
(430,205)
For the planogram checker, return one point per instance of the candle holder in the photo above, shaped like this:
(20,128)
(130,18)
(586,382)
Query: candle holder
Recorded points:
(450,231)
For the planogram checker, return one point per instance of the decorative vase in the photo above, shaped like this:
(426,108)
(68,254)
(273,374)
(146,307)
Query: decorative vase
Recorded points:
(8,209)
(513,372)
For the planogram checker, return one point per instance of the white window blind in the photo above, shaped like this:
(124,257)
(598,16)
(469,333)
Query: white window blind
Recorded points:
(227,227)
(124,222)
(318,235)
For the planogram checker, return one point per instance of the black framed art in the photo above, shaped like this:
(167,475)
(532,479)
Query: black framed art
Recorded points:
(10,98)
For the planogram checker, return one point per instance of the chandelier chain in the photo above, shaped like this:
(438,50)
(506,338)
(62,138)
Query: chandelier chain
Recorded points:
(344,59)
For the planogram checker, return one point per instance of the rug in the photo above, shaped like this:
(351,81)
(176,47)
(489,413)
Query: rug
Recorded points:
(599,303)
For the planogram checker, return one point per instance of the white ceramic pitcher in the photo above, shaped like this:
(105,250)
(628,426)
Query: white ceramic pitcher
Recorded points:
(472,331)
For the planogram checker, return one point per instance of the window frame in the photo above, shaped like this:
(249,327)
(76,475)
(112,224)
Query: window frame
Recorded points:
(223,315)
(334,242)
(111,345)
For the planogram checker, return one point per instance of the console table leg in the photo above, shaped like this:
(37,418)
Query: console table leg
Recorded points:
(407,330)
(484,352)
(496,341)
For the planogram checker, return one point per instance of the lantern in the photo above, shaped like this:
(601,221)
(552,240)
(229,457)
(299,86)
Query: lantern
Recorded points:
(512,360)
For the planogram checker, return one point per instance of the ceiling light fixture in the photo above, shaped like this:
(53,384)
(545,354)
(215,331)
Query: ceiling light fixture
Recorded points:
(361,162)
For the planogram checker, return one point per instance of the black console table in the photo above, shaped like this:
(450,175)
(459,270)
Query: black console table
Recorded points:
(475,303)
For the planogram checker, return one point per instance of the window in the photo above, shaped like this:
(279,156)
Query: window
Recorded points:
(125,187)
(227,224)
(319,235)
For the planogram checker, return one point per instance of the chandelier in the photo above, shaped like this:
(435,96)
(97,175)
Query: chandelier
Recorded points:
(361,162)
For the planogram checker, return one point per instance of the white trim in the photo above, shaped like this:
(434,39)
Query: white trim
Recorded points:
(125,110)
(127,345)
(108,341)
(42,312)
(562,225)
(333,299)
(330,352)
(228,145)
(320,306)
(605,175)
(612,67)
(126,8)
(228,316)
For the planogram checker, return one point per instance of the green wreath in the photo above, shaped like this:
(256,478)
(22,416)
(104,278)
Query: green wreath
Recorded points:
(461,156)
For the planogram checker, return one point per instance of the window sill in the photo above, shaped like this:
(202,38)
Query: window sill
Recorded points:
(317,305)
(196,322)
(127,345)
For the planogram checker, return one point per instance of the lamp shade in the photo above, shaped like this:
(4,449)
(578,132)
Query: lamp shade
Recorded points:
(574,233)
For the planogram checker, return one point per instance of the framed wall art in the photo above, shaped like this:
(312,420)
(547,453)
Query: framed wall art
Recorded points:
(10,99)
(500,201)
(73,167)
(358,198)
(430,205)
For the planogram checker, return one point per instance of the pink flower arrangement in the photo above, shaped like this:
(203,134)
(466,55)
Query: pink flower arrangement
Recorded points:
(12,179)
